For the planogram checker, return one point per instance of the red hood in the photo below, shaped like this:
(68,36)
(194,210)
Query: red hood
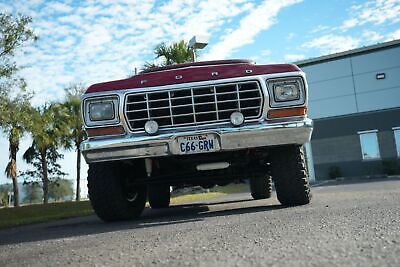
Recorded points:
(192,72)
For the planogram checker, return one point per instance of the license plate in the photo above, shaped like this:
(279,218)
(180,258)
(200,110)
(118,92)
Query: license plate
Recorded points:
(201,143)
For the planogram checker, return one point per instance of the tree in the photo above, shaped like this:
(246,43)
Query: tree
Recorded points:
(49,131)
(176,53)
(60,189)
(14,32)
(33,192)
(35,177)
(14,118)
(77,133)
(14,99)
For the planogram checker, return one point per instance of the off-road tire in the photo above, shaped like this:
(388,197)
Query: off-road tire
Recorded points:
(111,198)
(159,196)
(290,176)
(261,186)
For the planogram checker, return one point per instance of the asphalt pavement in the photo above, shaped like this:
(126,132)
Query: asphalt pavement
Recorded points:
(350,224)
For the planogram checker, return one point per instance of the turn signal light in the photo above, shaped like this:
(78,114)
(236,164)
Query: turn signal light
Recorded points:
(287,112)
(103,131)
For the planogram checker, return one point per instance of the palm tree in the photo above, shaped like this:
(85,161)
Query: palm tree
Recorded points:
(49,131)
(176,53)
(77,133)
(14,118)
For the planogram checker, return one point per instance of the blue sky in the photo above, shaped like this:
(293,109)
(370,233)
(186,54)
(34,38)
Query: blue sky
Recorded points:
(93,41)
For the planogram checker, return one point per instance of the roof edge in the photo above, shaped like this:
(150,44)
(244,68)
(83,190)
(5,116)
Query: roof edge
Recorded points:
(352,52)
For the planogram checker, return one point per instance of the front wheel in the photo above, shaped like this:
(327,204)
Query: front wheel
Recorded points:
(111,194)
(290,175)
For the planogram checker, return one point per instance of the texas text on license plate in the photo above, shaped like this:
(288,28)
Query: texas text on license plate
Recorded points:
(199,143)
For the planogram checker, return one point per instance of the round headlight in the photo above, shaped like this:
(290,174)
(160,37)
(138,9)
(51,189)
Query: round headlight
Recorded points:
(237,118)
(151,127)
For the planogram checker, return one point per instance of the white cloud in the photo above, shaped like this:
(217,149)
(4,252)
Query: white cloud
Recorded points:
(319,28)
(350,23)
(372,36)
(294,57)
(97,36)
(331,43)
(367,18)
(393,35)
(250,26)
(5,8)
(263,57)
(375,12)
(58,7)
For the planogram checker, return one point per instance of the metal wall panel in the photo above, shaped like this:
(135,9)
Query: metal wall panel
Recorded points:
(367,82)
(332,107)
(331,88)
(327,70)
(376,100)
(377,60)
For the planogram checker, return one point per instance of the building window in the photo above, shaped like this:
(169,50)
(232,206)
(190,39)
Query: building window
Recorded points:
(369,144)
(396,133)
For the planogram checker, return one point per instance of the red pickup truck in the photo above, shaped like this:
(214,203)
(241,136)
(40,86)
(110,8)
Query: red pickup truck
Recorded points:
(205,123)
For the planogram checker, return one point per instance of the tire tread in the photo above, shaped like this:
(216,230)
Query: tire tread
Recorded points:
(290,175)
(106,194)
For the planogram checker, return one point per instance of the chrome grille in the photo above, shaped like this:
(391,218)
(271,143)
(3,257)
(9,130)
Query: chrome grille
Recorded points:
(194,105)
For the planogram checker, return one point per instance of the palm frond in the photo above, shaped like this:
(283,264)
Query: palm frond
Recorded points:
(11,169)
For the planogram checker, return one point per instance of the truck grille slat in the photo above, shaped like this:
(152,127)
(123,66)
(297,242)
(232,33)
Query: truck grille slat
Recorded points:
(194,105)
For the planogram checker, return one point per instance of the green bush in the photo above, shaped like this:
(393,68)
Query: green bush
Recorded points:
(334,172)
(4,189)
(3,199)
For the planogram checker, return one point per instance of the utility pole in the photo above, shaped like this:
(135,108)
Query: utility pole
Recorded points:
(197,42)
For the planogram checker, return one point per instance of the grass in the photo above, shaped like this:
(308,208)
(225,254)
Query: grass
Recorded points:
(42,213)
(194,197)
(10,217)
(216,191)
(231,188)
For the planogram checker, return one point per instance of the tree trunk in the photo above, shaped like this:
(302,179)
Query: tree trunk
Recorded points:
(78,173)
(45,178)
(13,171)
(16,191)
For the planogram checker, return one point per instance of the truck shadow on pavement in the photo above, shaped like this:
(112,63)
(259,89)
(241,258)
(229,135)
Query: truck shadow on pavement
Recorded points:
(91,225)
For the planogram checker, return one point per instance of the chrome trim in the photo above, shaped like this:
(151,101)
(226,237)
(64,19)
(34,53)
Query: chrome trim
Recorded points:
(233,96)
(297,102)
(113,98)
(230,138)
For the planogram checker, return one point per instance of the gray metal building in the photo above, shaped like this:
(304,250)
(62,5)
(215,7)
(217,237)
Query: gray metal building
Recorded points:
(354,99)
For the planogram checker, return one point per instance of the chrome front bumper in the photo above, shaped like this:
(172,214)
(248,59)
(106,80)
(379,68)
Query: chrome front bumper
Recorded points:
(230,138)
